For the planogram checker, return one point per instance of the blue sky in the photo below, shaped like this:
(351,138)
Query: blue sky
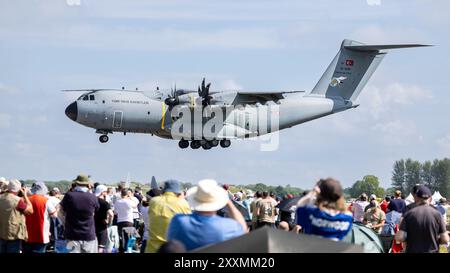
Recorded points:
(46,46)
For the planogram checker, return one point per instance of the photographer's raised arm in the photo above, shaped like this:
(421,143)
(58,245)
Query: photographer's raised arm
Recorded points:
(29,209)
(236,215)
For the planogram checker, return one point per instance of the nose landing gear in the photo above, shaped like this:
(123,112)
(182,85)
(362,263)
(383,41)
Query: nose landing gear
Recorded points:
(103,138)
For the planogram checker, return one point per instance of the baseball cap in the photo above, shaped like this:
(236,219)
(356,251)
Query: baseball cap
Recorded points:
(423,192)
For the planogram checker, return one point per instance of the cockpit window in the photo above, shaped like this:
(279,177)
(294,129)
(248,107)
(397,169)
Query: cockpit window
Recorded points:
(91,97)
(85,98)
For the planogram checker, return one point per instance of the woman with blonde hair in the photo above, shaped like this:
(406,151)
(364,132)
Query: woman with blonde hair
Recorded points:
(322,211)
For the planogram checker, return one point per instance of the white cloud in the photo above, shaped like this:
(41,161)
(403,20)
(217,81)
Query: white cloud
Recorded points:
(378,100)
(397,132)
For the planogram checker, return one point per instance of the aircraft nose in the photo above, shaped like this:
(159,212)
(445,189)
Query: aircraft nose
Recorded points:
(72,111)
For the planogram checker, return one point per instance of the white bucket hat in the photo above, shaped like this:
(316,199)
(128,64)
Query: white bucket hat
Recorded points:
(100,189)
(207,196)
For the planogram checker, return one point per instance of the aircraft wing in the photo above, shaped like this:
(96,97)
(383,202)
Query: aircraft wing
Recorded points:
(262,96)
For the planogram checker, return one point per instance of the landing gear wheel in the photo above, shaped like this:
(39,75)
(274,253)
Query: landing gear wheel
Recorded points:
(214,142)
(225,143)
(195,144)
(206,145)
(183,144)
(103,138)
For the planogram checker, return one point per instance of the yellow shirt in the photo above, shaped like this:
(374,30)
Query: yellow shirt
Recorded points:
(160,212)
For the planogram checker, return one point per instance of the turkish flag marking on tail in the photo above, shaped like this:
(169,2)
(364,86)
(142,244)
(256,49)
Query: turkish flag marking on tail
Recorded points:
(349,62)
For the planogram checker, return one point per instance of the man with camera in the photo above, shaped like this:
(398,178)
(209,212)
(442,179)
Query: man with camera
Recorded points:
(14,205)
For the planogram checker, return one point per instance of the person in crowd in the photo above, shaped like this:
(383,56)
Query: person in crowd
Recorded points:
(53,197)
(422,228)
(161,211)
(3,185)
(203,227)
(288,215)
(249,197)
(265,211)
(384,204)
(110,193)
(397,204)
(442,208)
(14,206)
(359,207)
(137,201)
(253,206)
(124,209)
(227,188)
(76,212)
(103,217)
(372,197)
(38,223)
(322,211)
(413,193)
(374,217)
(144,215)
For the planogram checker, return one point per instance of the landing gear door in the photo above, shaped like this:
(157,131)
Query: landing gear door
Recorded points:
(117,119)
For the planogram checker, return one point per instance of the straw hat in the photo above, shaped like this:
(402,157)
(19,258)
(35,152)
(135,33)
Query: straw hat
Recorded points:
(207,196)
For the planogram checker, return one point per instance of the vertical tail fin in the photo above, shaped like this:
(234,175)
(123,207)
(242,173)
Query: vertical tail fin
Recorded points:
(350,70)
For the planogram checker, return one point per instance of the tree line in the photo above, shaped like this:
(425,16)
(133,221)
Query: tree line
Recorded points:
(405,174)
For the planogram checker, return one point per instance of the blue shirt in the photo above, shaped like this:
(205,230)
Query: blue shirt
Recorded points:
(196,230)
(398,205)
(317,222)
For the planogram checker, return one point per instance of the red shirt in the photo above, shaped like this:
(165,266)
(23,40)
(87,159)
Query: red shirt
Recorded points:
(38,223)
(384,206)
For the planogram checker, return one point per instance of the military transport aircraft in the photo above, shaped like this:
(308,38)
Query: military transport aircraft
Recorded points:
(204,118)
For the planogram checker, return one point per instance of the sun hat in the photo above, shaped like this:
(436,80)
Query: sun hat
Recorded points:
(100,189)
(82,180)
(14,185)
(207,196)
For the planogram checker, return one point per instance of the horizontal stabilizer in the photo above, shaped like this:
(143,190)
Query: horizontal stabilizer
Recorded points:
(369,48)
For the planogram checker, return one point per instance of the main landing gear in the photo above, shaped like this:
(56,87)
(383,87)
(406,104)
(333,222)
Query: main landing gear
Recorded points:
(205,144)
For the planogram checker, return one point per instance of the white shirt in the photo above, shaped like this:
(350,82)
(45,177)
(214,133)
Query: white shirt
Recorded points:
(124,210)
(358,210)
(54,200)
(135,210)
